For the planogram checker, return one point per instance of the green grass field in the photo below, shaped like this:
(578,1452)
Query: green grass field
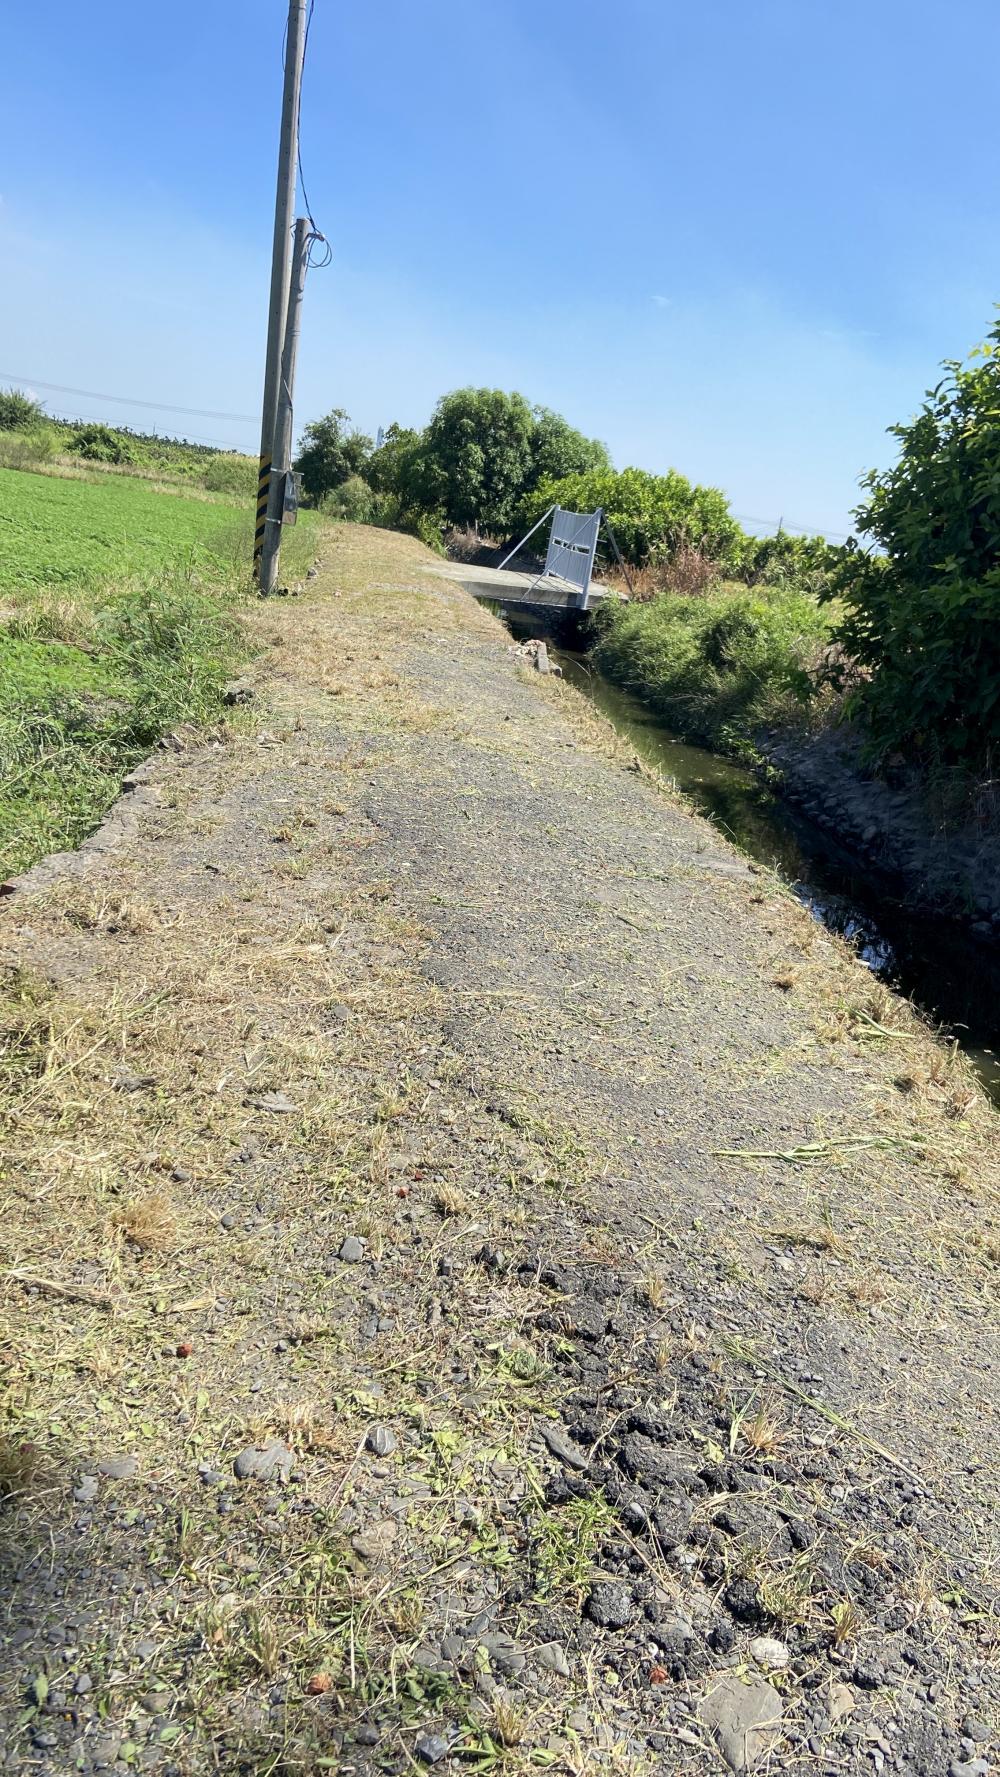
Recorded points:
(120,616)
(79,534)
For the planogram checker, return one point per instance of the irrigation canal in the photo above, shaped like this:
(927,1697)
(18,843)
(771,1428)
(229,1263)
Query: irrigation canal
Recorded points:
(953,979)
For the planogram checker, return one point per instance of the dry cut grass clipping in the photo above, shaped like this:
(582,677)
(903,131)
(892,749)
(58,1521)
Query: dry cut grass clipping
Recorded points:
(148,1221)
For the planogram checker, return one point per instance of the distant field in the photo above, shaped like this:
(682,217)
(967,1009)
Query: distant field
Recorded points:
(82,533)
(119,618)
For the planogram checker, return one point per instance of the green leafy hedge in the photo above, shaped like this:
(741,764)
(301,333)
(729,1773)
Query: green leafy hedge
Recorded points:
(651,515)
(922,618)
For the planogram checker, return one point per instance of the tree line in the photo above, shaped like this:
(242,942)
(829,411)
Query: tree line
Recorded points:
(915,601)
(483,452)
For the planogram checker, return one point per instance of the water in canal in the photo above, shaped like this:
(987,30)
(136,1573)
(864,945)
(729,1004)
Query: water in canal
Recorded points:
(953,979)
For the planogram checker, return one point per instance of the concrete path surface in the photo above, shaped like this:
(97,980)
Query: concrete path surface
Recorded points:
(489,1281)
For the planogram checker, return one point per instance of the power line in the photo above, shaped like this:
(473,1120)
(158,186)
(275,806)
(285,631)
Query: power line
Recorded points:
(786,524)
(315,261)
(298,133)
(69,419)
(201,413)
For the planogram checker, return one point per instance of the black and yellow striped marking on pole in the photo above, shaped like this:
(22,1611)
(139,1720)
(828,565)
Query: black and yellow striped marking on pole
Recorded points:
(263,494)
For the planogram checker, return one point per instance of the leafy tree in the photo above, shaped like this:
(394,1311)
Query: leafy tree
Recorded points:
(390,466)
(922,617)
(330,451)
(785,560)
(476,457)
(481,453)
(18,413)
(558,450)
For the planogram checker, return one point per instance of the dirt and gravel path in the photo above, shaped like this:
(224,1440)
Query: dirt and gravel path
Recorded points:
(488,1282)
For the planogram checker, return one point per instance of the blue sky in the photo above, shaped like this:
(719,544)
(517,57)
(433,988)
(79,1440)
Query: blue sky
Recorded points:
(735,239)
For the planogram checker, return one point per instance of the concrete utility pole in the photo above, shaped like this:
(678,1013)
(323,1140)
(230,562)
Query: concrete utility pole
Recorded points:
(284,211)
(283,424)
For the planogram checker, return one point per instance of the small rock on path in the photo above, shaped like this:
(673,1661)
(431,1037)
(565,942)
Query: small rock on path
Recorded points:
(560,1445)
(267,1463)
(381,1441)
(610,1606)
(553,1657)
(743,1719)
(431,1748)
(116,1468)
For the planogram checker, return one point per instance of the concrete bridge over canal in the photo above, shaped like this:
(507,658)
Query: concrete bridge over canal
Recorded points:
(564,583)
(528,592)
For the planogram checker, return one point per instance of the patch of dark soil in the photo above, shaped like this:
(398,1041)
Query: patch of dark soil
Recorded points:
(711,1556)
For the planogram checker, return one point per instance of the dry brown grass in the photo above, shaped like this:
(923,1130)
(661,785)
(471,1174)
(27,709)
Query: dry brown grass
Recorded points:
(847,1622)
(689,573)
(148,1221)
(868,1290)
(22,1467)
(508,1723)
(923,1591)
(102,1362)
(785,979)
(464,543)
(450,1201)
(305,1329)
(820,1237)
(815,1288)
(120,915)
(304,1427)
(654,1292)
(762,1431)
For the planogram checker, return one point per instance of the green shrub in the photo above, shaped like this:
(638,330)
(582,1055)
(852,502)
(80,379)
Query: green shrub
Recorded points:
(392,513)
(477,458)
(352,501)
(99,444)
(27,450)
(356,503)
(651,515)
(104,647)
(782,560)
(482,452)
(229,473)
(18,412)
(922,618)
(175,647)
(55,781)
(718,667)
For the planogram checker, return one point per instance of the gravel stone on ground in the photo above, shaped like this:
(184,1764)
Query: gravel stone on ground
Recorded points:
(610,1606)
(272,1460)
(382,1441)
(744,1717)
